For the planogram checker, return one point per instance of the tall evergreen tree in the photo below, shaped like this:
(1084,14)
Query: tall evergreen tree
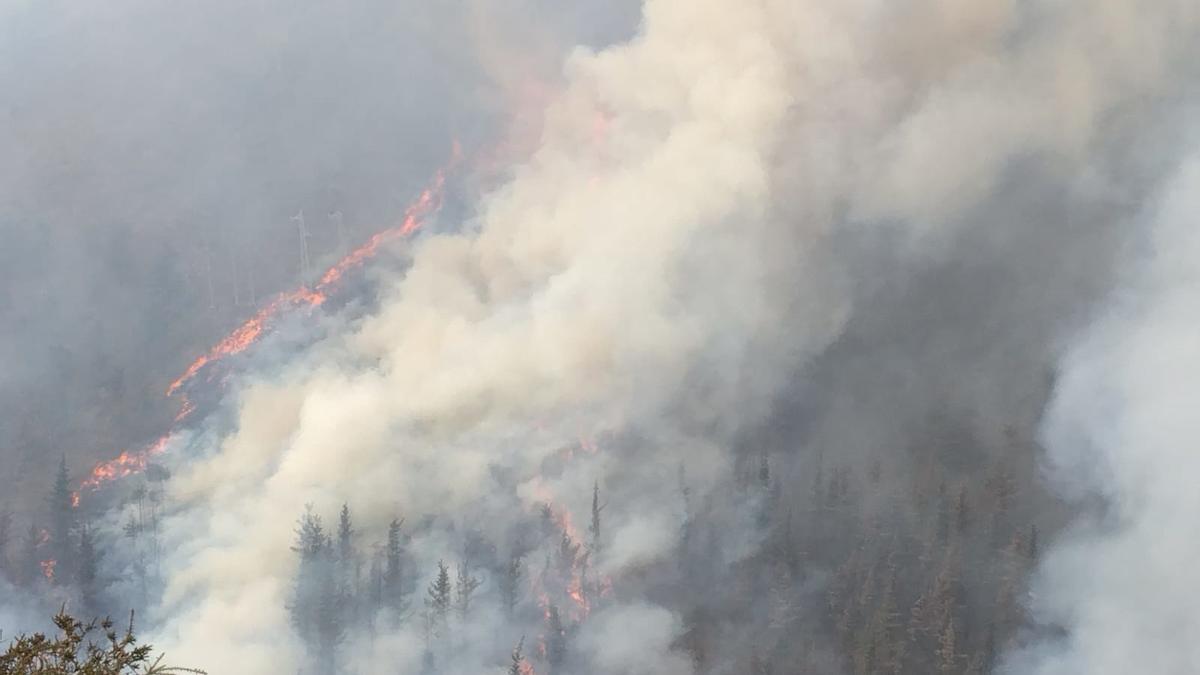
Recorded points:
(85,573)
(394,593)
(439,596)
(345,535)
(568,555)
(316,606)
(556,640)
(518,661)
(62,522)
(510,583)
(465,585)
(594,528)
(347,562)
(30,570)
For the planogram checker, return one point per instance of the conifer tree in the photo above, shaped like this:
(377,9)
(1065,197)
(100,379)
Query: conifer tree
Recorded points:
(594,528)
(510,582)
(345,535)
(317,607)
(518,661)
(439,596)
(568,554)
(393,586)
(547,520)
(62,522)
(85,573)
(465,585)
(347,563)
(556,640)
(30,570)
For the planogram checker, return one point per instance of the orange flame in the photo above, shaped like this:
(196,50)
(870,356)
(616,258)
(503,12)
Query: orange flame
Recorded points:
(127,463)
(245,335)
(185,410)
(48,568)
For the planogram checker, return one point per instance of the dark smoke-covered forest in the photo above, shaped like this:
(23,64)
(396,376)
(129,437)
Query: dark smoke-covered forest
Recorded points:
(601,338)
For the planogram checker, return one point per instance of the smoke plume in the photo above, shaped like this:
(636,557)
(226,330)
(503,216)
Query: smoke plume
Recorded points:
(663,260)
(810,226)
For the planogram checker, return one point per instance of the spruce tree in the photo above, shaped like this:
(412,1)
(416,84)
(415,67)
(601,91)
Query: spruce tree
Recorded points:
(439,598)
(345,535)
(510,583)
(62,522)
(556,640)
(518,661)
(465,585)
(394,596)
(85,574)
(348,568)
(594,528)
(568,555)
(30,571)
(316,606)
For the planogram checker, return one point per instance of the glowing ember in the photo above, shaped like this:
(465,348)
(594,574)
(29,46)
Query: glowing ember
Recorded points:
(75,499)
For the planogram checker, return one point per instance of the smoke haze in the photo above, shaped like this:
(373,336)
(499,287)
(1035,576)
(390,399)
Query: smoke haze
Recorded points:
(700,261)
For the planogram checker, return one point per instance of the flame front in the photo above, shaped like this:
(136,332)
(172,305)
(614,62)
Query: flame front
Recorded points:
(244,336)
(125,464)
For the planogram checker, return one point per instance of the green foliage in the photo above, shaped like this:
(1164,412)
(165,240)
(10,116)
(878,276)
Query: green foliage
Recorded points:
(74,651)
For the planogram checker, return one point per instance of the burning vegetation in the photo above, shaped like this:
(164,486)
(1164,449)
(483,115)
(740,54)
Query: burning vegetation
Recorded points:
(247,334)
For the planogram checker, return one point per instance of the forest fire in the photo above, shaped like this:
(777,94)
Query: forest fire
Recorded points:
(48,569)
(248,333)
(245,335)
(185,410)
(126,464)
(427,203)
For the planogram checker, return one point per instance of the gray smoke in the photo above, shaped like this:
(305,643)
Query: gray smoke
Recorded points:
(1119,430)
(872,209)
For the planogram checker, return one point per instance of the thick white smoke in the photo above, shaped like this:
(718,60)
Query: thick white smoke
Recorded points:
(626,266)
(1122,426)
(661,263)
